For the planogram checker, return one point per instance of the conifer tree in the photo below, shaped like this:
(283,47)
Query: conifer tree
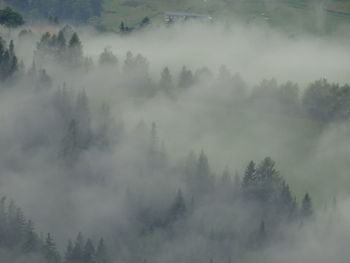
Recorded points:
(89,253)
(8,60)
(166,82)
(75,51)
(31,239)
(50,251)
(78,249)
(101,253)
(107,58)
(70,144)
(68,255)
(306,207)
(178,208)
(186,78)
(249,175)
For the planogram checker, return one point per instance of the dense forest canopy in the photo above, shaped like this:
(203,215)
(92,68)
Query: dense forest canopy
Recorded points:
(77,10)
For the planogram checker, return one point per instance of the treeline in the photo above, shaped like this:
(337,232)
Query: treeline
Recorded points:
(8,60)
(64,48)
(322,101)
(77,10)
(262,199)
(19,237)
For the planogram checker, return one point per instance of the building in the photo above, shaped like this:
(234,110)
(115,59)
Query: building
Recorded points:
(179,16)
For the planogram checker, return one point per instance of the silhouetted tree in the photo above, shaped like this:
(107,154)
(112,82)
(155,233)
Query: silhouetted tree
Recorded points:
(75,51)
(107,58)
(50,251)
(186,78)
(10,18)
(178,208)
(306,207)
(101,253)
(166,83)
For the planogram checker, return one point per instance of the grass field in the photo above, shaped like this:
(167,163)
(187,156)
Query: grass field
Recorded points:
(288,13)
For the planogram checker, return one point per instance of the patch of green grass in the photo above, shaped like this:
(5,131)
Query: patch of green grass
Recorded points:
(287,14)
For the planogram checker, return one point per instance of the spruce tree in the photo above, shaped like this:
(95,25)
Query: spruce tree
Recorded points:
(31,239)
(101,253)
(75,51)
(107,58)
(50,251)
(89,253)
(186,78)
(249,178)
(166,83)
(306,207)
(78,250)
(178,208)
(8,60)
(68,255)
(70,144)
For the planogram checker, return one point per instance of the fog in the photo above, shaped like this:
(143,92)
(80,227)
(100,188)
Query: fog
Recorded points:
(103,147)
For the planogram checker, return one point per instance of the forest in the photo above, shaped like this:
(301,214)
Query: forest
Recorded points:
(189,142)
(74,10)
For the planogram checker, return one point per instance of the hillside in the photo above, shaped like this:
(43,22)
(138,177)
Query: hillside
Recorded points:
(284,13)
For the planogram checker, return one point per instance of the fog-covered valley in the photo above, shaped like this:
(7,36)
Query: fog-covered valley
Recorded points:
(189,142)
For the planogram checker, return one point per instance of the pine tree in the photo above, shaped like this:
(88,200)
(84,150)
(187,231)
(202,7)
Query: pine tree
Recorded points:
(78,252)
(50,252)
(203,179)
(75,51)
(31,239)
(203,166)
(122,27)
(18,225)
(70,144)
(101,253)
(83,116)
(166,83)
(178,208)
(249,178)
(286,201)
(68,255)
(107,58)
(8,61)
(10,18)
(306,207)
(61,43)
(89,253)
(186,78)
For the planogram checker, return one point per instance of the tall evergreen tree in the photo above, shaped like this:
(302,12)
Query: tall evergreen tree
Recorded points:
(68,255)
(178,208)
(89,253)
(249,178)
(166,82)
(31,240)
(70,144)
(10,18)
(8,60)
(78,250)
(50,251)
(107,58)
(186,78)
(306,207)
(75,51)
(101,253)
